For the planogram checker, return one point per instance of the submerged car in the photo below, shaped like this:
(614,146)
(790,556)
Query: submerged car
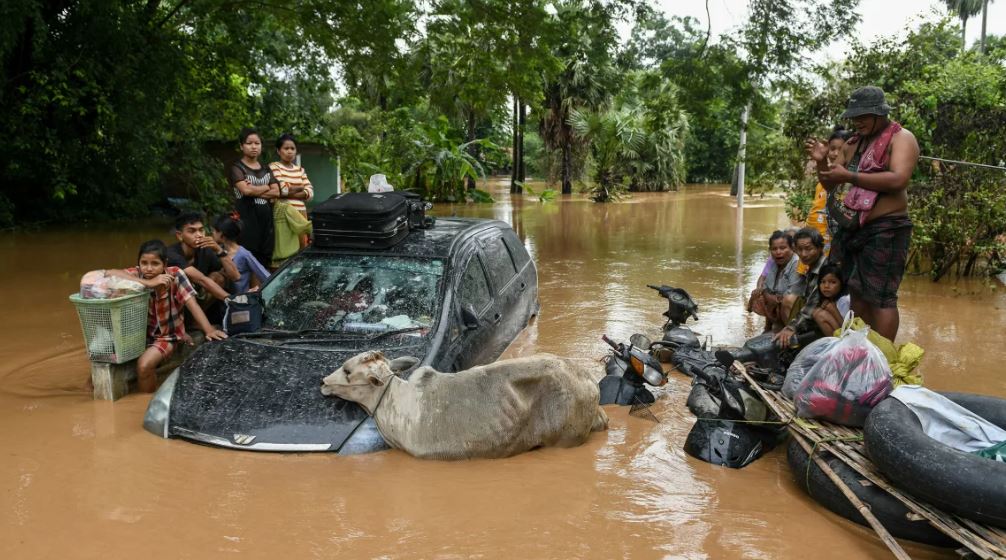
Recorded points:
(454,296)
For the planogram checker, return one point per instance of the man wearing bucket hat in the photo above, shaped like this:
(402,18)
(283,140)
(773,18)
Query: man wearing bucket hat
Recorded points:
(868,205)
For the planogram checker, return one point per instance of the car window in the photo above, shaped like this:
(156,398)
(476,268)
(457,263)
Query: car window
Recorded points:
(474,288)
(516,248)
(499,262)
(354,293)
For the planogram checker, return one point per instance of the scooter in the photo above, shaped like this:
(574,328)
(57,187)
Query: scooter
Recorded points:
(628,369)
(681,346)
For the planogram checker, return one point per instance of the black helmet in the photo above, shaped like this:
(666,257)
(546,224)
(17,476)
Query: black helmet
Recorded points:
(722,442)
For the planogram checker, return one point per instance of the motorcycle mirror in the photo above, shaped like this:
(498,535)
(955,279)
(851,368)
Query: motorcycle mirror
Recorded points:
(469,318)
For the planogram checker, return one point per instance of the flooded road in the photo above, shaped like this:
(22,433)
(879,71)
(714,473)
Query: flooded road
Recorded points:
(81,479)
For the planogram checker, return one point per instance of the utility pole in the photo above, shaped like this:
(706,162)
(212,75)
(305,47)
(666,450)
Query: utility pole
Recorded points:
(741,149)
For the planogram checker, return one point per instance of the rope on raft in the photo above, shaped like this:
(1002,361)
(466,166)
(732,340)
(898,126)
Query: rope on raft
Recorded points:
(845,443)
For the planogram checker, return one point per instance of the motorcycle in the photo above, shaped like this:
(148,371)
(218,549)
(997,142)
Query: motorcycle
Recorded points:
(629,368)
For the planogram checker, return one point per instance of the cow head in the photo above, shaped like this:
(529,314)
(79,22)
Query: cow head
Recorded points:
(363,378)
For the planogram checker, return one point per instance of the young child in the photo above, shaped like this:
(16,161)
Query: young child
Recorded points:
(165,321)
(833,306)
(226,232)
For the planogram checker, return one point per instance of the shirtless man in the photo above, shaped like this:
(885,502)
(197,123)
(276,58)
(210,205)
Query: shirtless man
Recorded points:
(874,231)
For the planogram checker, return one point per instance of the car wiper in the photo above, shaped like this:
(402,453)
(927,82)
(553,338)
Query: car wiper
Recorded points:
(279,333)
(343,337)
(385,334)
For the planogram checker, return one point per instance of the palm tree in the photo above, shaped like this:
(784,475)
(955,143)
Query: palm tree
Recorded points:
(615,138)
(985,18)
(586,81)
(964,9)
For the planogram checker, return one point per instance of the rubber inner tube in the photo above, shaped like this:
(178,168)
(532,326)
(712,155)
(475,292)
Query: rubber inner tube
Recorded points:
(954,481)
(891,512)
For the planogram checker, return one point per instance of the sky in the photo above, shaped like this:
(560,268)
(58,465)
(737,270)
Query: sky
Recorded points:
(879,18)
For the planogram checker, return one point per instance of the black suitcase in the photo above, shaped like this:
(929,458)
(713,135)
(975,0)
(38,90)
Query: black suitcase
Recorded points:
(361,220)
(417,211)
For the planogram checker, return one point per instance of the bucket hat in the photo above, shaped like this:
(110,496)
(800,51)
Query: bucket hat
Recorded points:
(867,100)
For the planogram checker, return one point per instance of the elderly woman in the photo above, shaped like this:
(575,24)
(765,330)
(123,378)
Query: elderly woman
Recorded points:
(779,273)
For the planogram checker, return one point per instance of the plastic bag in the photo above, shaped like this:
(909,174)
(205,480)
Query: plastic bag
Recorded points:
(803,362)
(997,452)
(846,383)
(903,358)
(97,285)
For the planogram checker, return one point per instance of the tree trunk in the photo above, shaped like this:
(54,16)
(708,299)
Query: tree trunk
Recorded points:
(522,115)
(567,163)
(964,33)
(472,150)
(513,153)
(985,18)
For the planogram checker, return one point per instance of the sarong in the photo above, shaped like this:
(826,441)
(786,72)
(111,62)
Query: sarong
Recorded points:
(873,259)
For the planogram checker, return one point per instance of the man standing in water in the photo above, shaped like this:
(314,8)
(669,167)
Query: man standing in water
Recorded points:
(874,230)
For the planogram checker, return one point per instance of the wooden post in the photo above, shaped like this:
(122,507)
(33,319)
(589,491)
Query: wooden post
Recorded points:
(111,381)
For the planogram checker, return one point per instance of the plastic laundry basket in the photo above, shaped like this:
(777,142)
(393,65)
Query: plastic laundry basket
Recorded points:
(115,330)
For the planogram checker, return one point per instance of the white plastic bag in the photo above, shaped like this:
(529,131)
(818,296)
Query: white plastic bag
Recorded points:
(847,381)
(805,360)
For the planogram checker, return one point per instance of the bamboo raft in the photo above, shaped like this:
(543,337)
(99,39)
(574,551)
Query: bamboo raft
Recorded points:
(984,541)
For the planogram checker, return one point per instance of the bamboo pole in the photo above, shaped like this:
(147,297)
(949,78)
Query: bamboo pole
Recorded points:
(863,509)
(853,454)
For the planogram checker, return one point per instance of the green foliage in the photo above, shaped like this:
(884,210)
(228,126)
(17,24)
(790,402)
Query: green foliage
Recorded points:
(108,103)
(955,104)
(799,199)
(615,138)
(546,195)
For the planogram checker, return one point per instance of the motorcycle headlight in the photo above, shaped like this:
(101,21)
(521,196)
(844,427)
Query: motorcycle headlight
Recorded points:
(654,377)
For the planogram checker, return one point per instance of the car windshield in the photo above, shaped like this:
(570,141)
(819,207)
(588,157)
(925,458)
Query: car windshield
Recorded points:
(354,294)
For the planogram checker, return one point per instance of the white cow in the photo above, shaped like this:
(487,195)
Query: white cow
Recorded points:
(498,410)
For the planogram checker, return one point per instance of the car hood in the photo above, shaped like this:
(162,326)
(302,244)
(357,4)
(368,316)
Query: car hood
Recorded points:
(254,395)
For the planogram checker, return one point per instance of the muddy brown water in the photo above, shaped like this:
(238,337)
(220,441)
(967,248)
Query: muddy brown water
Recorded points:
(81,479)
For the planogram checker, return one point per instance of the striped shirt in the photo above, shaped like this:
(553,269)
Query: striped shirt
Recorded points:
(295,177)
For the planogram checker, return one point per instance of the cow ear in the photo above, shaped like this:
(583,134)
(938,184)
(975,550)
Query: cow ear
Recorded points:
(402,364)
(375,380)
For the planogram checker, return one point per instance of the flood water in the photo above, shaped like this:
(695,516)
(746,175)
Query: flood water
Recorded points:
(81,479)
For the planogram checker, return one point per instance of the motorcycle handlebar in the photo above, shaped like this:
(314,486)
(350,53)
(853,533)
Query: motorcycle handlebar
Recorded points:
(610,342)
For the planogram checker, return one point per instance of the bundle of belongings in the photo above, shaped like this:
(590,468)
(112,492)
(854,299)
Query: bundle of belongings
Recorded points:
(841,378)
(97,285)
(953,425)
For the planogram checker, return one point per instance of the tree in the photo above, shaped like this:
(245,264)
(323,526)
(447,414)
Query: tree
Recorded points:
(965,9)
(108,103)
(615,138)
(587,79)
(776,41)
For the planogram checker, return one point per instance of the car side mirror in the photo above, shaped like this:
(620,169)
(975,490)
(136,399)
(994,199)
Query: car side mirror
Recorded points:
(469,318)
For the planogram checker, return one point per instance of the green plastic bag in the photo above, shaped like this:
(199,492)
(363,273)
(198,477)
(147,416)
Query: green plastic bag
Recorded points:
(997,452)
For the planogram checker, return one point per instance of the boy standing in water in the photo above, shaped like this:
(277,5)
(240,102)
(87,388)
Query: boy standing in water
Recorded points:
(165,323)
(874,230)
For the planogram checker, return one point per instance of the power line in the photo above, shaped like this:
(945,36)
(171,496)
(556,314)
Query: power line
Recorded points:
(998,167)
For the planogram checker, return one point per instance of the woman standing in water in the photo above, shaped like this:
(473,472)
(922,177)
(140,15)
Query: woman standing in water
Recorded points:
(254,186)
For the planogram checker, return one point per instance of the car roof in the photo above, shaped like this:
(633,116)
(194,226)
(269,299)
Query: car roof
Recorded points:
(436,242)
